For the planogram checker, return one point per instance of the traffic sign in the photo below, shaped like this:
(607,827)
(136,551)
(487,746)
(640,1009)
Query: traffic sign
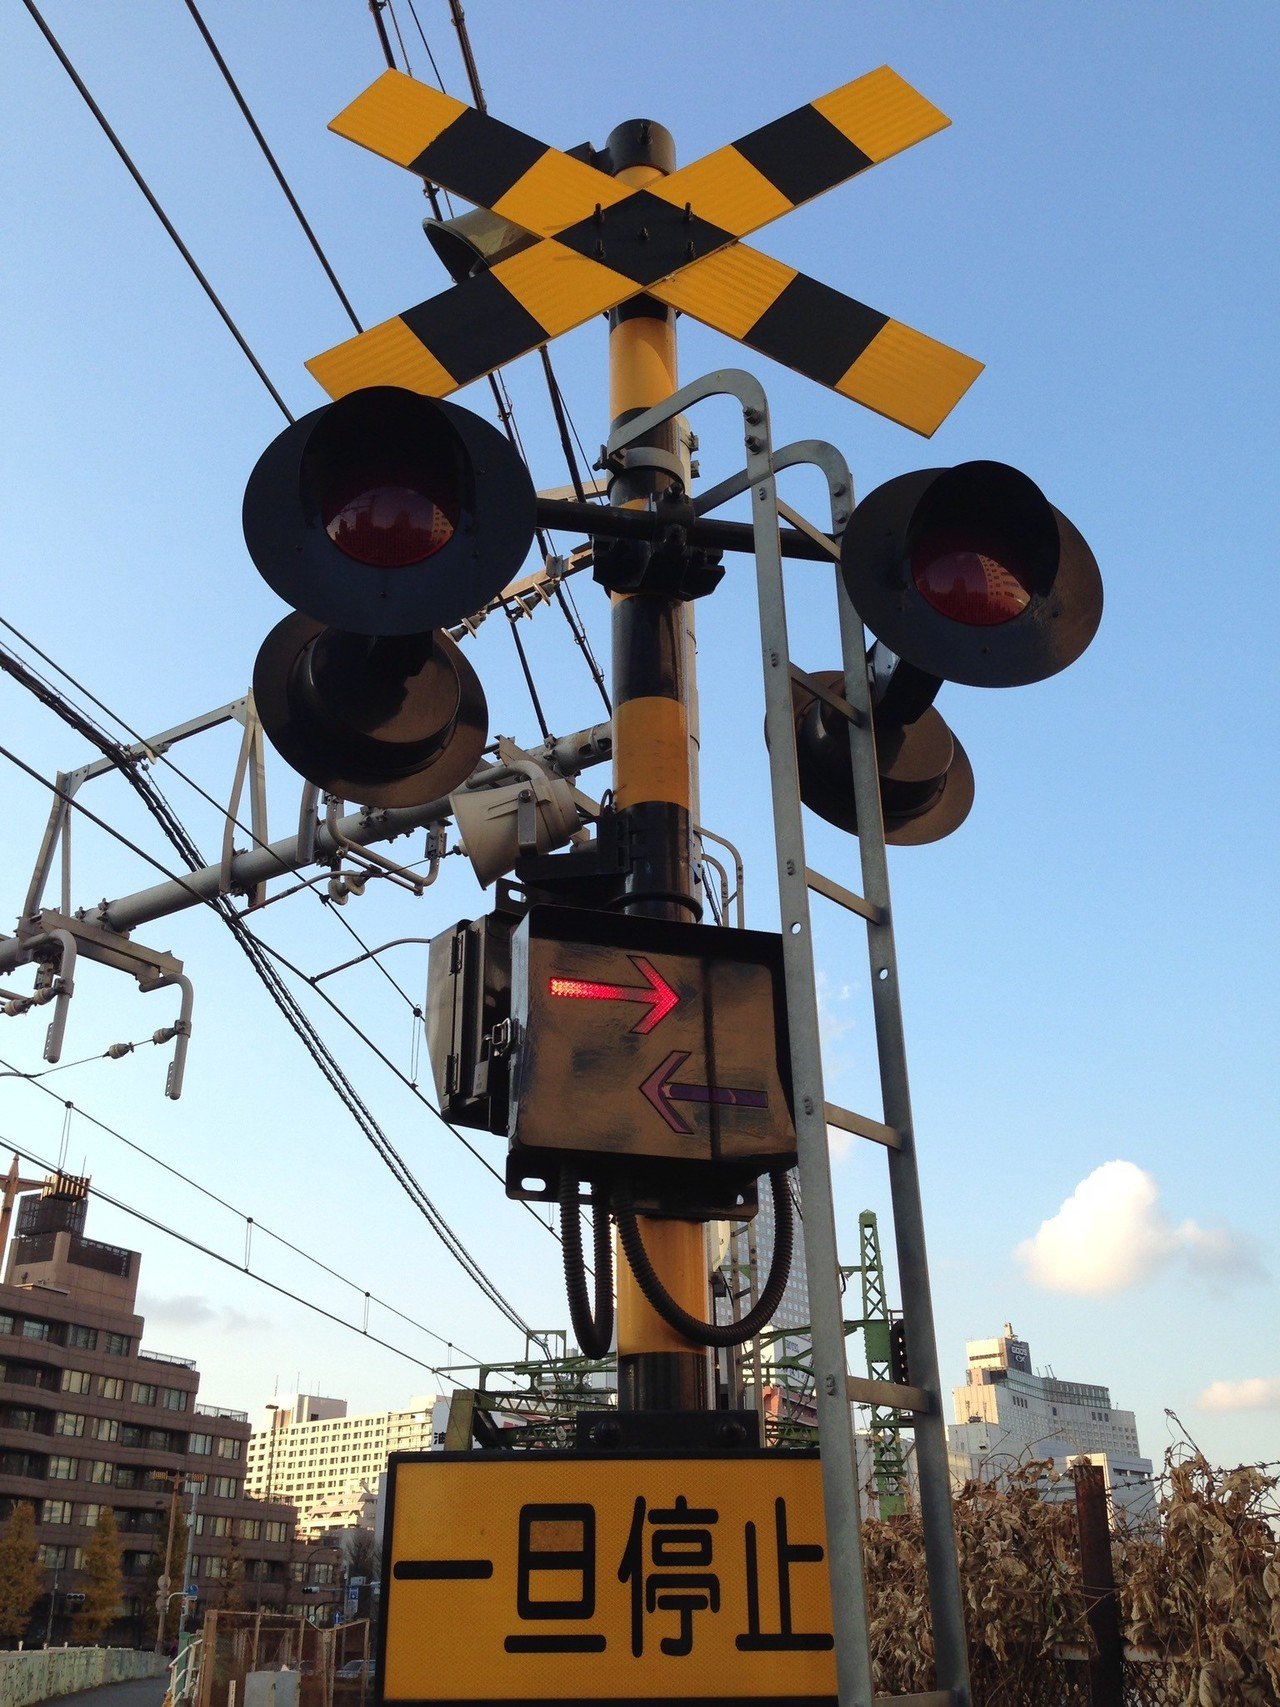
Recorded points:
(596,1577)
(597,242)
(698,1080)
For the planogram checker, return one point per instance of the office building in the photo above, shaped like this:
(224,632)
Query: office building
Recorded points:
(1006,1415)
(89,1418)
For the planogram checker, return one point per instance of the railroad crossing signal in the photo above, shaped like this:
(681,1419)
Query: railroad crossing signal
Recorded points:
(647,1055)
(596,242)
(597,1577)
(383,517)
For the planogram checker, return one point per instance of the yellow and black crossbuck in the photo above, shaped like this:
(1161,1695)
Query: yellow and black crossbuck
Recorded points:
(678,239)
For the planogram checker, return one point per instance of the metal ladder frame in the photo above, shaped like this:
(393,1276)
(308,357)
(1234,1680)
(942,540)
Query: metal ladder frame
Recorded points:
(921,1402)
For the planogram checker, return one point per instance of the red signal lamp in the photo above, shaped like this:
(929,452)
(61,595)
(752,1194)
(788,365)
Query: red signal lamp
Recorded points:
(970,574)
(389,523)
(388,513)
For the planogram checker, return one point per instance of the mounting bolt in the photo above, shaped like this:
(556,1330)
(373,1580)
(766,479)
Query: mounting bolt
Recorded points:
(808,1105)
(753,416)
(754,444)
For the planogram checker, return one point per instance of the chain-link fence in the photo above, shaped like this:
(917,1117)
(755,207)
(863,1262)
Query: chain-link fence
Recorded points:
(335,1666)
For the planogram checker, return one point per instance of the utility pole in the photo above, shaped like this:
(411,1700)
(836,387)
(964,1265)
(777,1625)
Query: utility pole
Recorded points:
(658,1369)
(165,1582)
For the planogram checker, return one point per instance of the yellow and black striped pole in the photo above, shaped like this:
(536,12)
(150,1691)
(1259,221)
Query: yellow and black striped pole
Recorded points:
(653,786)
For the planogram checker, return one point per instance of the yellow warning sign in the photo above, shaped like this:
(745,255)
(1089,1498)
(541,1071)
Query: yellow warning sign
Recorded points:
(587,1578)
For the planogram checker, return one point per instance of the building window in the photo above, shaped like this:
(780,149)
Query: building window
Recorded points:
(53,1558)
(119,1345)
(201,1443)
(101,1471)
(6,1324)
(35,1330)
(63,1469)
(224,1487)
(274,1531)
(106,1428)
(68,1422)
(213,1566)
(228,1447)
(250,1528)
(173,1398)
(89,1515)
(76,1381)
(113,1387)
(55,1511)
(209,1525)
(144,1393)
(83,1339)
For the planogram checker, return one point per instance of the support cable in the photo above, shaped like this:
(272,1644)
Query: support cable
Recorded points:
(159,212)
(240,1268)
(272,162)
(213,1197)
(674,1314)
(49,696)
(594,1327)
(313,1043)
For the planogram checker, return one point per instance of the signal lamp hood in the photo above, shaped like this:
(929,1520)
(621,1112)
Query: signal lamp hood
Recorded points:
(396,721)
(970,574)
(926,780)
(388,513)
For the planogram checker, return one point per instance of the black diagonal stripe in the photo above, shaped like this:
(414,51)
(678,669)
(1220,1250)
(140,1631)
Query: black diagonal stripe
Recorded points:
(814,329)
(644,238)
(479,157)
(802,154)
(474,327)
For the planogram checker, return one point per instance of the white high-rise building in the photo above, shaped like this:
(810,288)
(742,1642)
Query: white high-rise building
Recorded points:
(1005,1415)
(309,1445)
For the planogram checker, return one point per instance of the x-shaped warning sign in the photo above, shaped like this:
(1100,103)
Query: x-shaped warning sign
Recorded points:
(599,241)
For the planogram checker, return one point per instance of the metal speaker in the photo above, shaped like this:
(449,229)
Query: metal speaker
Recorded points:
(971,574)
(386,721)
(474,242)
(926,780)
(490,824)
(389,513)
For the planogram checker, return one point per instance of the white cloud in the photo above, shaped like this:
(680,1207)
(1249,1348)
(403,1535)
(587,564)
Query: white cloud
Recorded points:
(1255,1393)
(1111,1234)
(190,1310)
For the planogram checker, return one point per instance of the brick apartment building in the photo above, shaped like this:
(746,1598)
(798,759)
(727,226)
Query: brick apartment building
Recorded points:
(89,1418)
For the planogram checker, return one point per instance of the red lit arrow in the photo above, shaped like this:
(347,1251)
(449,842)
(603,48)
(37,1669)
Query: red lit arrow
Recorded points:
(662,1093)
(656,993)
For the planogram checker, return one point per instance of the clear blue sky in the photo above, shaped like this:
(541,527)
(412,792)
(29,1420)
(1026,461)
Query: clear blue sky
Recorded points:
(1088,966)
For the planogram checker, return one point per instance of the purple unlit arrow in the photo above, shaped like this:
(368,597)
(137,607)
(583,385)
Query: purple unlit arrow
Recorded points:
(662,1093)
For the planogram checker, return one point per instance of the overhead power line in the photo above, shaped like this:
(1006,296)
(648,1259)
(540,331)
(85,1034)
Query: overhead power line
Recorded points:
(271,160)
(214,1197)
(159,212)
(229,1262)
(300,1024)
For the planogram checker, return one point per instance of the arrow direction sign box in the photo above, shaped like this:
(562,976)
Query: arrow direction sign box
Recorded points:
(651,1051)
(594,1577)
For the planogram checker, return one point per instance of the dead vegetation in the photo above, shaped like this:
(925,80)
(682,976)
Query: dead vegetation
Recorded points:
(1199,1592)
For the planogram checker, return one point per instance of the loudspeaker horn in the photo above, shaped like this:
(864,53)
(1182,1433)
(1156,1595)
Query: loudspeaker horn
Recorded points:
(488,821)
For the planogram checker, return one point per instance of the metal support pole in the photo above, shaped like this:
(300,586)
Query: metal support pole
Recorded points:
(1098,1578)
(658,1369)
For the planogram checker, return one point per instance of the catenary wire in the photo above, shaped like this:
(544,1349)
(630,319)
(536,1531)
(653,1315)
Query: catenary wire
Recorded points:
(214,1197)
(321,1055)
(240,1268)
(159,212)
(49,698)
